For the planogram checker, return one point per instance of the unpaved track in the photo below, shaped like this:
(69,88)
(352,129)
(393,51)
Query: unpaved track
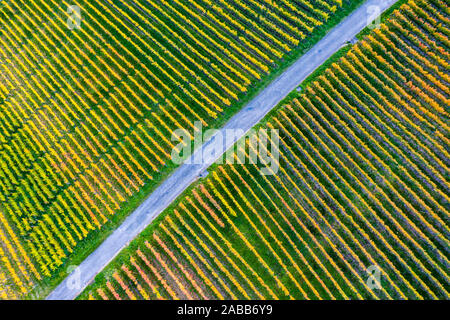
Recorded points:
(182,177)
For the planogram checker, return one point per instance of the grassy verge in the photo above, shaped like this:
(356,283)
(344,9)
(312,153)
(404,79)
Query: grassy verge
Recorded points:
(96,238)
(383,17)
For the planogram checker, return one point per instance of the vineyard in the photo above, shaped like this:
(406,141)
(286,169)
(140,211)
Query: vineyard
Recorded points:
(86,114)
(363,182)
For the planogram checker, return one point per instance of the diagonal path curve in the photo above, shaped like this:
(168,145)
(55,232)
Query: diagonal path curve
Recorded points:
(186,174)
